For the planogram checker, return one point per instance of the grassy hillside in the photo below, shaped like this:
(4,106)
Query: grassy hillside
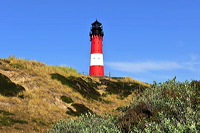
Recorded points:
(33,96)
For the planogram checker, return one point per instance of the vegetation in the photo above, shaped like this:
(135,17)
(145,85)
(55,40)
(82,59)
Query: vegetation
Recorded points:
(165,107)
(64,69)
(86,89)
(8,88)
(66,99)
(121,88)
(6,120)
(89,123)
(80,110)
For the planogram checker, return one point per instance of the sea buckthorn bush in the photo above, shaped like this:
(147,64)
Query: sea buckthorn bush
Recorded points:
(170,106)
(88,123)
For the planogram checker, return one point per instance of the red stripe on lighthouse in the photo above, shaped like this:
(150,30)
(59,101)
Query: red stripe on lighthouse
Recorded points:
(96,61)
(96,46)
(96,70)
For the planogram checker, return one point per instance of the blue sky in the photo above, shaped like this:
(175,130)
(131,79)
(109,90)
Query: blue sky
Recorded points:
(148,40)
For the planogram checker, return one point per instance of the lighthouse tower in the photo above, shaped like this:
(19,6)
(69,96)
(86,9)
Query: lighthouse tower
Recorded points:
(96,60)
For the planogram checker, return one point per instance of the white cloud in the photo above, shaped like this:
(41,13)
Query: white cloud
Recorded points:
(147,66)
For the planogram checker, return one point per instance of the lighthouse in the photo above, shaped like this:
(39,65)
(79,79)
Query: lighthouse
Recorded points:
(96,58)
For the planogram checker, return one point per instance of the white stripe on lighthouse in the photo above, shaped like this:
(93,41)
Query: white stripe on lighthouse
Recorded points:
(96,59)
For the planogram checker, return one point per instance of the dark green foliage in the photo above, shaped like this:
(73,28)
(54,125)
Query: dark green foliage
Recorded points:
(8,88)
(88,123)
(196,99)
(122,109)
(92,83)
(164,107)
(122,89)
(21,96)
(66,99)
(80,109)
(196,84)
(78,84)
(6,120)
(5,112)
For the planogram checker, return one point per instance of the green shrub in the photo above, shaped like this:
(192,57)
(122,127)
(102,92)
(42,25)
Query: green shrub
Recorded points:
(164,107)
(89,123)
(8,88)
(66,99)
(80,110)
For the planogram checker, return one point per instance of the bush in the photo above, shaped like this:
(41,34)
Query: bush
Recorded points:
(9,88)
(66,99)
(80,110)
(89,123)
(171,106)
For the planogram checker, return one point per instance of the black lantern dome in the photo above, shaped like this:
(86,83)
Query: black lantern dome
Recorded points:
(97,29)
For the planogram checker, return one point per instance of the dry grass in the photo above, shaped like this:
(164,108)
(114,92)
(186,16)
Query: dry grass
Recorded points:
(131,80)
(41,104)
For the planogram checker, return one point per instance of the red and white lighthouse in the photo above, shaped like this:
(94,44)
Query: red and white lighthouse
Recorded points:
(96,59)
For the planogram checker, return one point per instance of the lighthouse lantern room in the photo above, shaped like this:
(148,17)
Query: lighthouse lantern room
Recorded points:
(96,59)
